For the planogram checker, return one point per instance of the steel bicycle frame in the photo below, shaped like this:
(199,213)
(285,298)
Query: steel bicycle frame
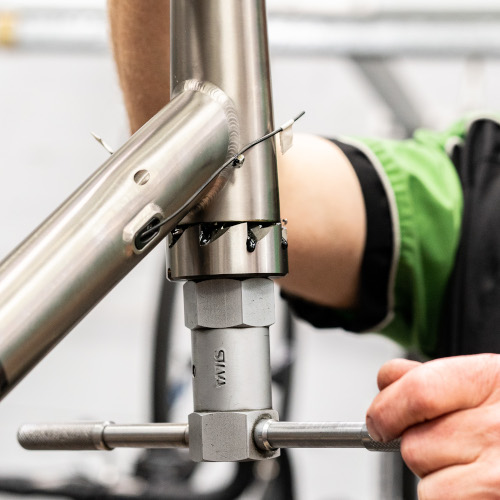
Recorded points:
(224,237)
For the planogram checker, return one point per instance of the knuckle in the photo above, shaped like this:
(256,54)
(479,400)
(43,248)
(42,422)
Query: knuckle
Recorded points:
(383,373)
(432,489)
(411,450)
(375,409)
(423,490)
(420,391)
(376,414)
(417,452)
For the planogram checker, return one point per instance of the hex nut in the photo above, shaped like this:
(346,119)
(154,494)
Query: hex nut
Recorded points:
(227,436)
(229,303)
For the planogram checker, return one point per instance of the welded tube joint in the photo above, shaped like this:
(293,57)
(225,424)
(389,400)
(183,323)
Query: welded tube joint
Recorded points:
(89,243)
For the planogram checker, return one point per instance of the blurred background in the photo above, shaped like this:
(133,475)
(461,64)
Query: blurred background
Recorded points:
(362,67)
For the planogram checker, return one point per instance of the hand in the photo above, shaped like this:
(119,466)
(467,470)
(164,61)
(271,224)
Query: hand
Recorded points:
(448,414)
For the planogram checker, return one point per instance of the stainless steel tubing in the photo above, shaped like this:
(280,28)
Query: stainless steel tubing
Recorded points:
(72,436)
(90,242)
(102,436)
(231,369)
(146,436)
(225,43)
(227,255)
(239,235)
(270,435)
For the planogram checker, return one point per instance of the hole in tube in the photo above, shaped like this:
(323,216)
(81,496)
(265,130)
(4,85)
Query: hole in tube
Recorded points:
(141,177)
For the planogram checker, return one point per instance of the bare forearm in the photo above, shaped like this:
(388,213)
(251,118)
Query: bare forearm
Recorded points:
(140,33)
(322,200)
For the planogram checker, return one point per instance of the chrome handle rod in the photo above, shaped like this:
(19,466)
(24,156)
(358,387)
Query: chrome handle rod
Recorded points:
(270,435)
(102,436)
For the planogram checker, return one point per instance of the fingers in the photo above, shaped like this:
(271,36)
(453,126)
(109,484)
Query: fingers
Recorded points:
(431,390)
(454,439)
(447,412)
(394,370)
(461,482)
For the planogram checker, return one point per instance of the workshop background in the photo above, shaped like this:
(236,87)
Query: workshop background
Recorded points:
(379,67)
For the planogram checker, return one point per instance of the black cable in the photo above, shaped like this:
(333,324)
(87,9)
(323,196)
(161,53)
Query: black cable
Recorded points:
(161,350)
(77,488)
(288,375)
(282,486)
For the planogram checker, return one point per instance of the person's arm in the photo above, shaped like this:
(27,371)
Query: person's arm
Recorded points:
(140,33)
(448,414)
(321,199)
(319,192)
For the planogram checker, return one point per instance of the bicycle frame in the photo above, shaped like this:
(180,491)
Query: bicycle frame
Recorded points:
(225,239)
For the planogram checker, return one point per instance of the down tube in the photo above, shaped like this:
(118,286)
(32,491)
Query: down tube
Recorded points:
(87,245)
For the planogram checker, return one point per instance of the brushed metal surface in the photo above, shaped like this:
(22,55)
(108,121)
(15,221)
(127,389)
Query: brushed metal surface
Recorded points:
(102,436)
(227,436)
(87,245)
(231,369)
(270,434)
(228,303)
(225,43)
(227,254)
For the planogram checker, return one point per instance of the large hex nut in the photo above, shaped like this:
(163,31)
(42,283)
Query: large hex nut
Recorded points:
(227,303)
(227,436)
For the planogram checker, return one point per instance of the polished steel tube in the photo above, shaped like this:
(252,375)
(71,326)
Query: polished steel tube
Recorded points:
(147,436)
(91,241)
(227,254)
(225,43)
(102,436)
(238,235)
(270,435)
